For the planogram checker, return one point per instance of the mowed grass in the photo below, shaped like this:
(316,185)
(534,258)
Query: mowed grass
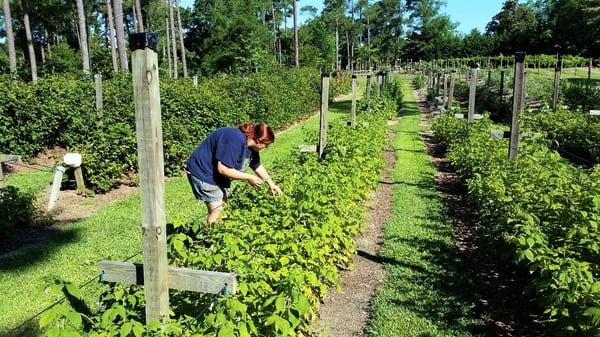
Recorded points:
(425,292)
(113,233)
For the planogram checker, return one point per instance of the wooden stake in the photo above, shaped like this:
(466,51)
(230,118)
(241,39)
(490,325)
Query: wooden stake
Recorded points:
(151,172)
(195,80)
(79,179)
(56,183)
(445,93)
(472,92)
(99,100)
(557,71)
(368,93)
(501,91)
(451,90)
(518,100)
(324,110)
(354,84)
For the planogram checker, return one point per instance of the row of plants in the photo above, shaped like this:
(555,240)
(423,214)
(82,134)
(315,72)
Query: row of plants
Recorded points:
(572,130)
(60,111)
(542,211)
(533,61)
(284,250)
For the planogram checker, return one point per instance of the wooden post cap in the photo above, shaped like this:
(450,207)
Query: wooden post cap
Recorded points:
(143,40)
(325,74)
(369,76)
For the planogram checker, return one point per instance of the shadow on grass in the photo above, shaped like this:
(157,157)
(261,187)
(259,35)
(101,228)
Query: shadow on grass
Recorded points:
(28,329)
(39,249)
(583,81)
(341,106)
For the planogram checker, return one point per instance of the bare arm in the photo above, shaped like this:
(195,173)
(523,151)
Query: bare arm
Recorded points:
(264,175)
(234,174)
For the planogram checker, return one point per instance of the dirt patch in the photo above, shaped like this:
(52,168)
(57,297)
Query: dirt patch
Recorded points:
(503,302)
(345,313)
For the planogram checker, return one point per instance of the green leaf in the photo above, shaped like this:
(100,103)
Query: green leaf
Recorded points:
(125,329)
(73,290)
(280,303)
(529,255)
(47,318)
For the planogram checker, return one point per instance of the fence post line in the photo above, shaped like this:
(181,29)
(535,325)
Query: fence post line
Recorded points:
(557,71)
(451,91)
(146,88)
(472,92)
(501,91)
(518,100)
(445,94)
(354,84)
(324,110)
(368,93)
(99,101)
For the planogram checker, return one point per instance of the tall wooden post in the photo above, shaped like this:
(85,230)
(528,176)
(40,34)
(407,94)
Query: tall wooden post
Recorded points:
(195,80)
(501,90)
(518,100)
(151,172)
(472,92)
(489,78)
(445,93)
(378,83)
(451,90)
(1,177)
(324,110)
(99,101)
(368,93)
(353,100)
(557,71)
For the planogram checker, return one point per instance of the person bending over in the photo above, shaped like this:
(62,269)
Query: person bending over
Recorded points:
(220,159)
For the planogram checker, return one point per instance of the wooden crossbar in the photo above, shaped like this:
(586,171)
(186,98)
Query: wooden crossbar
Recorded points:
(210,282)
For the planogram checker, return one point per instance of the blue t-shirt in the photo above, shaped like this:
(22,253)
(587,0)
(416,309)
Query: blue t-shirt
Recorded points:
(227,145)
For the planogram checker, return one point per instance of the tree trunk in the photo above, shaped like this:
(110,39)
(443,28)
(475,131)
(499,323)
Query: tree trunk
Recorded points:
(140,19)
(118,10)
(111,36)
(135,18)
(32,61)
(337,46)
(85,52)
(295,33)
(274,29)
(10,37)
(43,53)
(173,40)
(169,57)
(181,44)
(348,59)
(47,42)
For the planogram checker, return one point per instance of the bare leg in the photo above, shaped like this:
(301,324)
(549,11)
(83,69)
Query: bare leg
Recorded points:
(214,210)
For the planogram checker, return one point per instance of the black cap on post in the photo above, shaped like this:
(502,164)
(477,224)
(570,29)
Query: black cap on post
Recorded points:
(325,74)
(474,65)
(369,76)
(353,76)
(520,57)
(143,40)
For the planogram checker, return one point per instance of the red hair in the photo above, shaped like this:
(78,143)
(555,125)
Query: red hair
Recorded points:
(260,133)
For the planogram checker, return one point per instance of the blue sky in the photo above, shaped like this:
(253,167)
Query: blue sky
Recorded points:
(468,14)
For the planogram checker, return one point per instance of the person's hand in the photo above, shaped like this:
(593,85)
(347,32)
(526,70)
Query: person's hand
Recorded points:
(254,180)
(276,190)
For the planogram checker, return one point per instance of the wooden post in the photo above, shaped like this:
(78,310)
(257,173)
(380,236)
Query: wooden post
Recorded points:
(353,123)
(151,172)
(195,80)
(472,92)
(518,100)
(324,110)
(79,179)
(501,90)
(56,183)
(451,90)
(489,79)
(557,71)
(1,177)
(99,101)
(368,93)
(378,83)
(445,93)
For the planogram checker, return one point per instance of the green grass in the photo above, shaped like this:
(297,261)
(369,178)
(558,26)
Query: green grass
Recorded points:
(113,233)
(425,293)
(30,181)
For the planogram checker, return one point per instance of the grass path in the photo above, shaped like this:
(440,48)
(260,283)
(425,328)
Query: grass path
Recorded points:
(112,233)
(425,292)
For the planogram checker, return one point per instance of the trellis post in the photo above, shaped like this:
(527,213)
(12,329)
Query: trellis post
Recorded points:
(501,90)
(324,110)
(195,80)
(557,71)
(368,92)
(451,90)
(354,85)
(472,92)
(518,100)
(146,90)
(99,101)
(445,93)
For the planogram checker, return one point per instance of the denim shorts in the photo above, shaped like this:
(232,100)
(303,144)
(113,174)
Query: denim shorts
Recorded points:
(205,191)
